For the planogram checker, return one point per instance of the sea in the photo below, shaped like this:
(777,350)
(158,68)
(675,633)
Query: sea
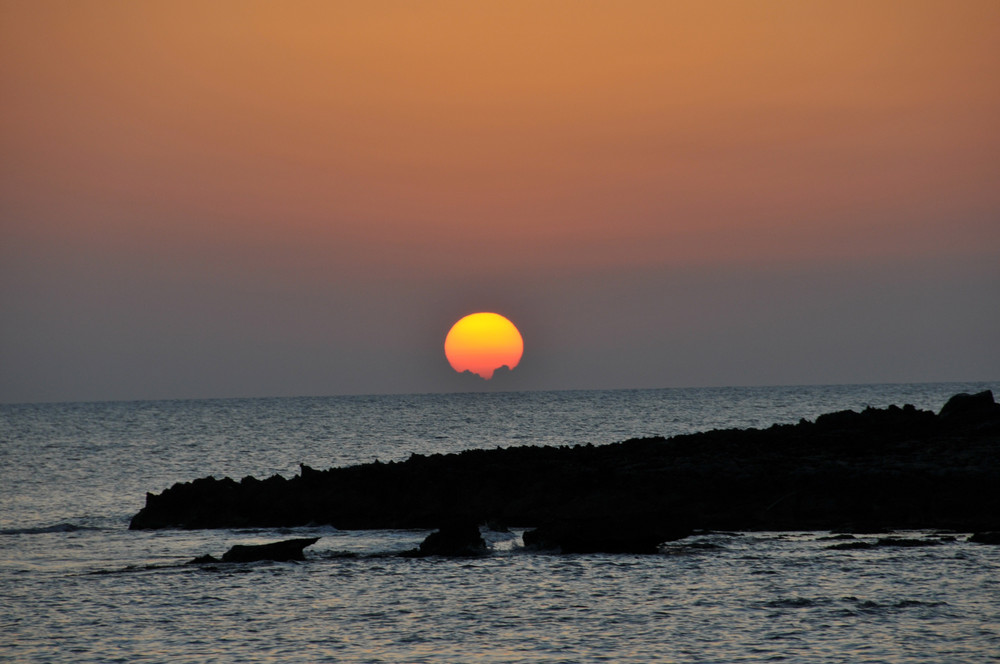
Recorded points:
(77,586)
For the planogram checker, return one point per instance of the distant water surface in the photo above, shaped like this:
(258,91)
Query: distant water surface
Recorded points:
(78,586)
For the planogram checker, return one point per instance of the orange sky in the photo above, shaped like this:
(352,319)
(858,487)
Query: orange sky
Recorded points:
(379,143)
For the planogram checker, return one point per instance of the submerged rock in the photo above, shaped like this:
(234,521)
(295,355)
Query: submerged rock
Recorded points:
(204,560)
(278,551)
(627,535)
(282,551)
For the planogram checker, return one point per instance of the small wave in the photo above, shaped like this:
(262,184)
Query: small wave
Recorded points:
(43,530)
(897,542)
(907,542)
(340,555)
(847,546)
(689,548)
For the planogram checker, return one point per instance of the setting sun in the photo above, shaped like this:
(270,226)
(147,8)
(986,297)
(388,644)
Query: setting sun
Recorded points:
(482,343)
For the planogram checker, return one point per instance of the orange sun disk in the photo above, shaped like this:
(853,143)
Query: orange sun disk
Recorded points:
(482,343)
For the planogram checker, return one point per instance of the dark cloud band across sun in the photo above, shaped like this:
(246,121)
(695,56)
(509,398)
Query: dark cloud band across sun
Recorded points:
(482,343)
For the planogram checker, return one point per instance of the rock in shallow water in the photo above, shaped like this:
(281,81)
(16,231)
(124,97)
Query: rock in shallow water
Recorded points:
(280,551)
(249,553)
(460,540)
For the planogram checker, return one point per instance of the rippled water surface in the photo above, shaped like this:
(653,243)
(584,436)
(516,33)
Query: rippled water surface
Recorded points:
(76,585)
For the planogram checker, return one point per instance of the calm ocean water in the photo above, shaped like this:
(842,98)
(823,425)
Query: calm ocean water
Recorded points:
(77,586)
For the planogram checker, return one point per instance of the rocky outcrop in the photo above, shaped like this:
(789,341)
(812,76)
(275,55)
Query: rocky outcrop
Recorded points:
(970,408)
(852,471)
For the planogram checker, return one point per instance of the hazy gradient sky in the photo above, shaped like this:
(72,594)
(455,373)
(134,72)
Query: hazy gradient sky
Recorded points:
(213,199)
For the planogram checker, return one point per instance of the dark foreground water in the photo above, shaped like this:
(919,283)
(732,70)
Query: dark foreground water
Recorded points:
(76,585)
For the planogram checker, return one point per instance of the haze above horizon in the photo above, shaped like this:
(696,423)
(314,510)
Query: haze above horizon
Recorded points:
(263,199)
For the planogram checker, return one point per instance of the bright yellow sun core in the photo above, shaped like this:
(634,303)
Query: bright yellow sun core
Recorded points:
(482,343)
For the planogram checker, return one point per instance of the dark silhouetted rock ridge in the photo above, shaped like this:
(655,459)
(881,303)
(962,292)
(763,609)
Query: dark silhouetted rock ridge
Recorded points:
(880,468)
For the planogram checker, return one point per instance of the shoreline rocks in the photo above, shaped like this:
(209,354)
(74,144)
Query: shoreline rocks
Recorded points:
(891,468)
